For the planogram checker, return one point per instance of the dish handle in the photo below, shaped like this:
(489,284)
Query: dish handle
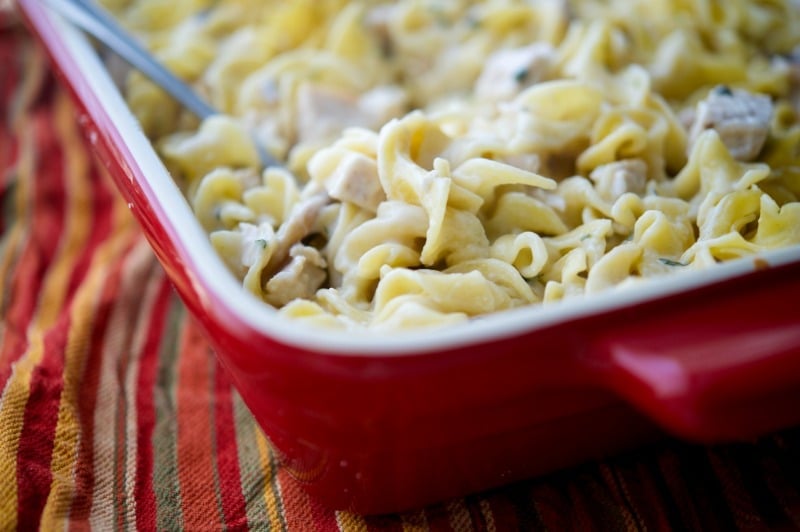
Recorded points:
(725,367)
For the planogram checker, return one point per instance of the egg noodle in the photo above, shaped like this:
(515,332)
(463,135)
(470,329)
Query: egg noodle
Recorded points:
(448,159)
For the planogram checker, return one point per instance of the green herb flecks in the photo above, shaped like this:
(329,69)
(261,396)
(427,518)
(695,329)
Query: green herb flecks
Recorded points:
(521,75)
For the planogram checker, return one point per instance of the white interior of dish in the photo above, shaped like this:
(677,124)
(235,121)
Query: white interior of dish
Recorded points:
(215,280)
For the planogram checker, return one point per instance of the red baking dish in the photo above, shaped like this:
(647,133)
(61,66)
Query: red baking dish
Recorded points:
(378,424)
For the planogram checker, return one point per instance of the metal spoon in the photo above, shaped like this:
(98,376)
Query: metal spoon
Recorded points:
(94,20)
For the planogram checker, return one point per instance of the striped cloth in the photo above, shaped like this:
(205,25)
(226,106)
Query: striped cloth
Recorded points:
(115,415)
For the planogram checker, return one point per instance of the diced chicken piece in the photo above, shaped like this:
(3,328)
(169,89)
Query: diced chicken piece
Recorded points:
(355,180)
(254,241)
(300,278)
(297,226)
(381,104)
(741,118)
(612,180)
(323,112)
(507,72)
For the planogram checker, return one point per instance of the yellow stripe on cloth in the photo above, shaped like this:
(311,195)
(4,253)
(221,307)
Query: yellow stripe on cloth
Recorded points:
(272,495)
(351,522)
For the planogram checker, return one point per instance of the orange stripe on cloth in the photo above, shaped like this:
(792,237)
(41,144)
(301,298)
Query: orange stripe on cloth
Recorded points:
(196,468)
(299,508)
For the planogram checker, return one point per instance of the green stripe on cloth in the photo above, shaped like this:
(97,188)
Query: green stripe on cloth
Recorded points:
(165,444)
(226,451)
(214,446)
(256,477)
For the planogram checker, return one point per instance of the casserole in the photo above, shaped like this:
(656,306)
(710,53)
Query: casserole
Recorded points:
(376,424)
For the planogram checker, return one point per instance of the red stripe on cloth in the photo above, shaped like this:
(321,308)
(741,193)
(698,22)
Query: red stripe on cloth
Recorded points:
(580,495)
(195,460)
(34,475)
(128,366)
(438,517)
(544,505)
(11,42)
(502,512)
(620,496)
(648,490)
(10,72)
(145,411)
(476,514)
(146,512)
(230,486)
(676,487)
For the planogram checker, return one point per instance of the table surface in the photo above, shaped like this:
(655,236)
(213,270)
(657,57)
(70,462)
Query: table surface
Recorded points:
(114,413)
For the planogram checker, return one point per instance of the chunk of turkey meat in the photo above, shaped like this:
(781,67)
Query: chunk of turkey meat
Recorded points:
(612,180)
(300,278)
(507,72)
(355,180)
(297,226)
(323,112)
(740,117)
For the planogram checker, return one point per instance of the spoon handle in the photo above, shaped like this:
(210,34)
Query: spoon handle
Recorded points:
(95,21)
